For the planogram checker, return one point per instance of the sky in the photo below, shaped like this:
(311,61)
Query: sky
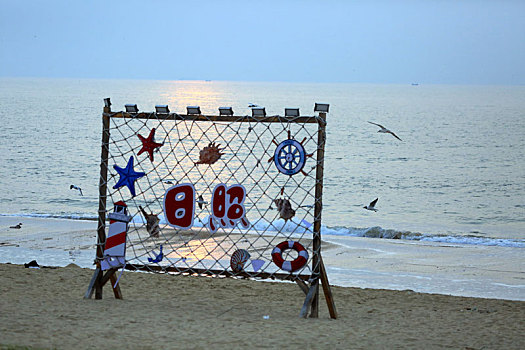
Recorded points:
(434,42)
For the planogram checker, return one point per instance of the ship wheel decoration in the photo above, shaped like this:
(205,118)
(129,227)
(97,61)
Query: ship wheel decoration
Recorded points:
(290,156)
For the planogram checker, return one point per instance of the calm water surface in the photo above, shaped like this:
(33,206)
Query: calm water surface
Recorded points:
(458,174)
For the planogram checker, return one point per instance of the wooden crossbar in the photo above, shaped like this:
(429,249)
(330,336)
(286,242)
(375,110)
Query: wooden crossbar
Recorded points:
(215,118)
(211,272)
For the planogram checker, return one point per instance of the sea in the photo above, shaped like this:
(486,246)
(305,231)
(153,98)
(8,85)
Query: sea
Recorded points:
(457,176)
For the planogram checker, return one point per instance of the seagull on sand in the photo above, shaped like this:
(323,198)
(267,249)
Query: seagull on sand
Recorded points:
(385,130)
(372,205)
(73,187)
(19,226)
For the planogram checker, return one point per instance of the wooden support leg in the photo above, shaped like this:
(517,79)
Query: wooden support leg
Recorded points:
(99,285)
(91,287)
(98,281)
(309,298)
(108,275)
(111,276)
(302,285)
(116,289)
(327,291)
(315,302)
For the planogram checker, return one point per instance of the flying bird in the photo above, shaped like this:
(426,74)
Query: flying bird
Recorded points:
(385,130)
(201,202)
(73,187)
(372,205)
(19,226)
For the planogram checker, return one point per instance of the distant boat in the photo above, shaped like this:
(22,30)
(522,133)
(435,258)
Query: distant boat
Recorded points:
(415,84)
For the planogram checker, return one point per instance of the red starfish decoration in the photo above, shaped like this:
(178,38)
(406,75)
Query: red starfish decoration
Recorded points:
(148,144)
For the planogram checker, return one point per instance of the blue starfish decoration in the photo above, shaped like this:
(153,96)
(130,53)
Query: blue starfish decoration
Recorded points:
(128,176)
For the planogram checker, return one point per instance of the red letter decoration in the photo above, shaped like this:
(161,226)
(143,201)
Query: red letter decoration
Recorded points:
(179,205)
(227,207)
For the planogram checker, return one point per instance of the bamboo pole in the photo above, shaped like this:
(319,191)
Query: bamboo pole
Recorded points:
(97,280)
(102,186)
(319,173)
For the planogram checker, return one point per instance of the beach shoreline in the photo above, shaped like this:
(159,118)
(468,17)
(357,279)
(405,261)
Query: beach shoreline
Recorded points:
(427,267)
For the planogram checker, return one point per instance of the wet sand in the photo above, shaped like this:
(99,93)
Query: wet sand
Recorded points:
(429,267)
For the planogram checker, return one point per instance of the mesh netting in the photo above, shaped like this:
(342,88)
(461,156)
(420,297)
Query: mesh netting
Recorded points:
(248,157)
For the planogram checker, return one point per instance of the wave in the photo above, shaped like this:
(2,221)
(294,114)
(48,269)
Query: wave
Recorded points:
(379,232)
(296,228)
(53,216)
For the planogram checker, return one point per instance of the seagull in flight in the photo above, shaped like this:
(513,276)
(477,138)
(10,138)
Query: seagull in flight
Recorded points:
(372,205)
(201,202)
(385,130)
(73,187)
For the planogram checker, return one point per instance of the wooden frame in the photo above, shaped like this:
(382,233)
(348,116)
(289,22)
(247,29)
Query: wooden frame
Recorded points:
(308,283)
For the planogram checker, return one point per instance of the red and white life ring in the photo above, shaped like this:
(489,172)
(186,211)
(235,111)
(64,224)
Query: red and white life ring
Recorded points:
(294,265)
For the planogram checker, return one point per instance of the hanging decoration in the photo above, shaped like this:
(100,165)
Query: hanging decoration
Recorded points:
(293,265)
(239,259)
(179,205)
(290,156)
(152,223)
(285,209)
(115,245)
(128,176)
(148,144)
(158,257)
(227,208)
(257,264)
(210,154)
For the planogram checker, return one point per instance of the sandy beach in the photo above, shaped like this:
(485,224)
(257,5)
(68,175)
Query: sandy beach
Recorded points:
(44,308)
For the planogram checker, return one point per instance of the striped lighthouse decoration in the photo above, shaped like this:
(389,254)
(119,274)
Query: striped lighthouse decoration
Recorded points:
(115,247)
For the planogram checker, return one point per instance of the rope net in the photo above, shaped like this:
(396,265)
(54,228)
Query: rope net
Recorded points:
(275,163)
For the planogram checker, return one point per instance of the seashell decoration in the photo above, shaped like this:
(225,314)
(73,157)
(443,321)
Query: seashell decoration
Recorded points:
(285,209)
(152,223)
(210,154)
(239,259)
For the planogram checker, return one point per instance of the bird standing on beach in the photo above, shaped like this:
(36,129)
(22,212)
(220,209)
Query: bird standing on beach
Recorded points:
(372,205)
(385,130)
(73,187)
(19,226)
